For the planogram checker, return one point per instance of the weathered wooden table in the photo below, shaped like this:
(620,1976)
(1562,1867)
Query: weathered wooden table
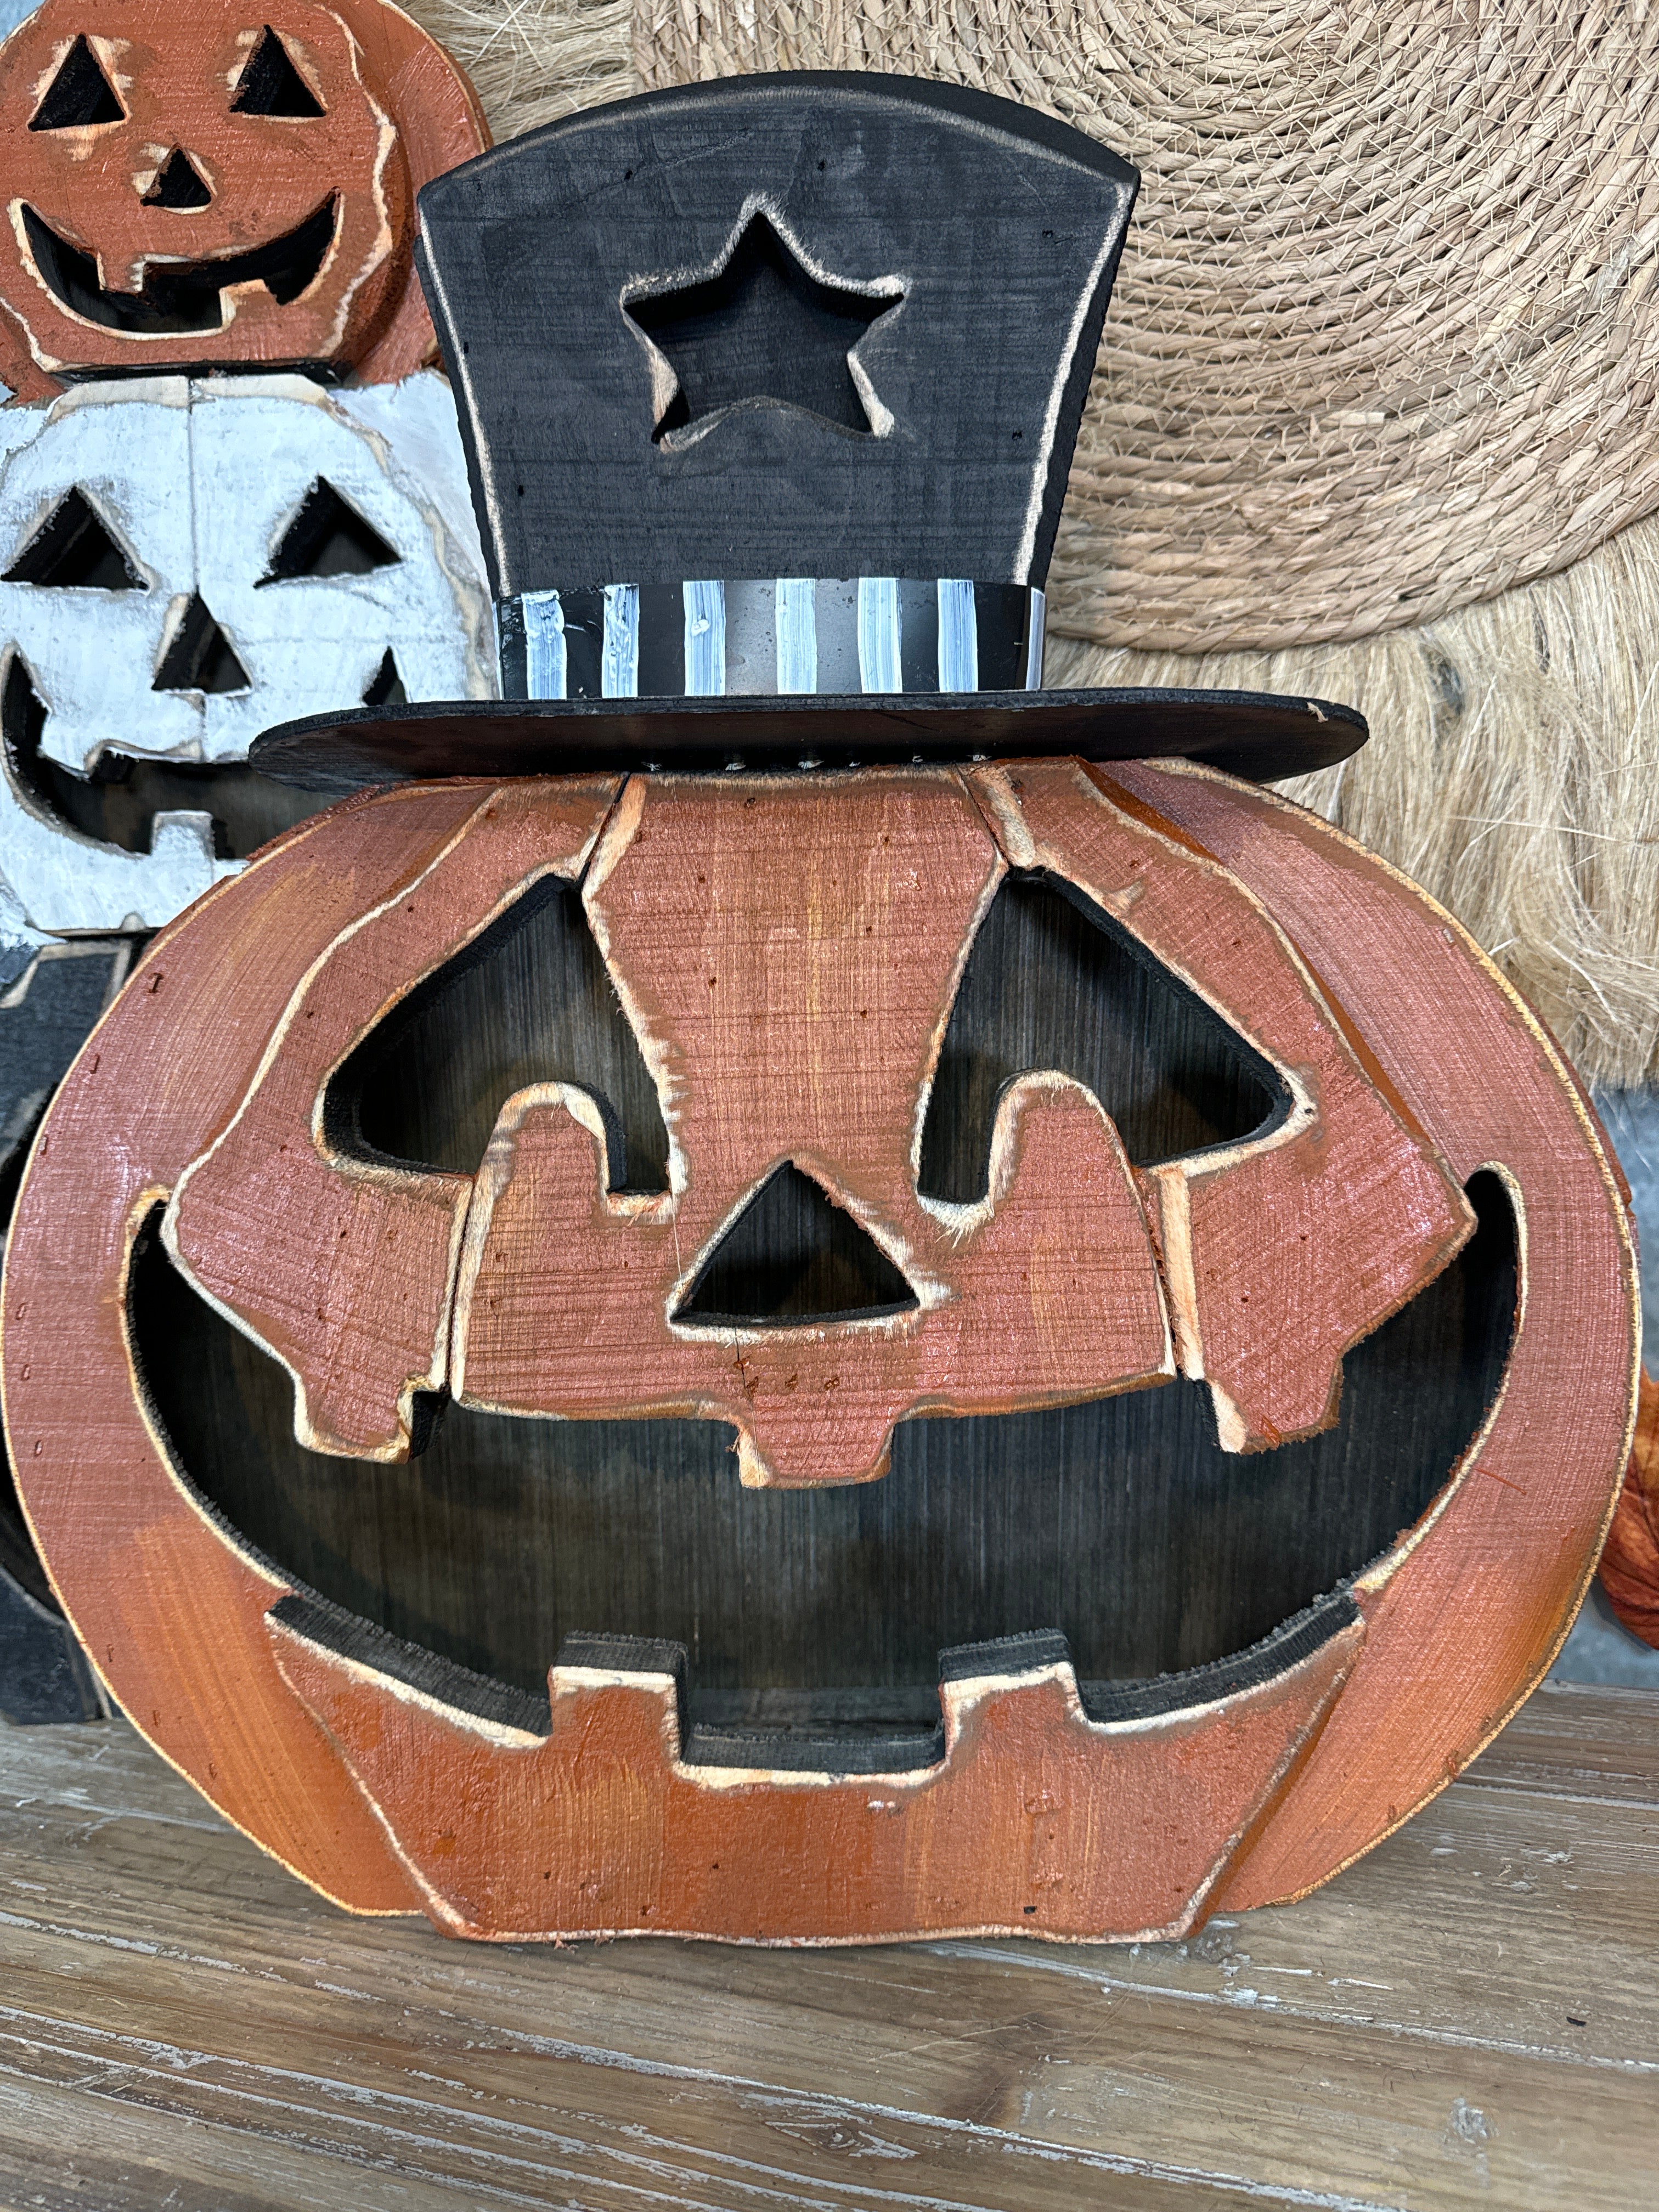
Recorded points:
(1471,2016)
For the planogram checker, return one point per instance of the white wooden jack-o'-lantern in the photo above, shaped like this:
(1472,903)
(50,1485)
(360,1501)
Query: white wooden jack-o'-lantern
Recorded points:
(184,564)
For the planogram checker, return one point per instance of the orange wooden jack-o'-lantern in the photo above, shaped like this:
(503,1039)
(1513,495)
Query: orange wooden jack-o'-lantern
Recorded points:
(787,953)
(1282,1302)
(190,187)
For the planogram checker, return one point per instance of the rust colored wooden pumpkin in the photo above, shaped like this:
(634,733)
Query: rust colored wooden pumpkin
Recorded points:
(913,1343)
(190,187)
(791,1001)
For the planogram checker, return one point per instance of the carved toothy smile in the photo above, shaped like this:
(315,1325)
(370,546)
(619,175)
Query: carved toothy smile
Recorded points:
(117,803)
(183,295)
(810,1630)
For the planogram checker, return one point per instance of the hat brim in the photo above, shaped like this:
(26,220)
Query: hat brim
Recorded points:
(1257,735)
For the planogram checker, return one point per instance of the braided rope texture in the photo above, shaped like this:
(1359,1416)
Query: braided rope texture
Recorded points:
(1386,337)
(1374,415)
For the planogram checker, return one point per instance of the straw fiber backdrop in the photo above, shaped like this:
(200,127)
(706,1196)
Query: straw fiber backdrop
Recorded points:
(1374,417)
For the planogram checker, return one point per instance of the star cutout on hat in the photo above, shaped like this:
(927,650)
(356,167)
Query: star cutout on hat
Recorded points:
(762,330)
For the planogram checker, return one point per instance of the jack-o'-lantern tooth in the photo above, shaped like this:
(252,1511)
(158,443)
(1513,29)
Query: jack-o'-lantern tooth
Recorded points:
(560,1306)
(569,1299)
(1061,1665)
(1362,1205)
(356,1388)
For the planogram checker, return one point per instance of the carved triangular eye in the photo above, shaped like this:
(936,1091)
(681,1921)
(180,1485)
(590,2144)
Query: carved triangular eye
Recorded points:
(74,548)
(385,687)
(271,84)
(179,185)
(79,94)
(328,538)
(791,1256)
(1053,982)
(201,658)
(529,1001)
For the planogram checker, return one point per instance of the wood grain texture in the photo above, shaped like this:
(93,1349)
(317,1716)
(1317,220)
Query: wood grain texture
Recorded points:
(1467,2019)
(1363,1211)
(986,233)
(1367,936)
(1478,1073)
(340,1267)
(1036,1821)
(1630,1562)
(1121,1523)
(45,1012)
(788,956)
(183,563)
(163,215)
(1253,734)
(188,1600)
(440,123)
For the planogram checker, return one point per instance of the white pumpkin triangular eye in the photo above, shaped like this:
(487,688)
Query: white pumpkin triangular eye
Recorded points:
(79,94)
(75,549)
(200,658)
(271,84)
(328,538)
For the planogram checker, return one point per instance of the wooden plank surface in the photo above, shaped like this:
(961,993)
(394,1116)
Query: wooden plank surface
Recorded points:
(1469,2016)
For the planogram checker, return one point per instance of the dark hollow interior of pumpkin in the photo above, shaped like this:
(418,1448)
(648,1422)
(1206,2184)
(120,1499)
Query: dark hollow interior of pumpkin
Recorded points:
(1120,1522)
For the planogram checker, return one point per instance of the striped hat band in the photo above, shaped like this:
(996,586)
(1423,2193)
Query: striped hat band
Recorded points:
(771,636)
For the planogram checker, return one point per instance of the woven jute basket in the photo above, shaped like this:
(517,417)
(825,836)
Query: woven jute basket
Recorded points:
(1374,415)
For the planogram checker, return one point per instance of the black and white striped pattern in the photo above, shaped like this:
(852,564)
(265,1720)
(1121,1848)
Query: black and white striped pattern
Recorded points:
(773,637)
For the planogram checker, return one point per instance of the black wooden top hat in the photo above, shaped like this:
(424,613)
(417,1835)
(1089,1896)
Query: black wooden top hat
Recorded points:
(769,389)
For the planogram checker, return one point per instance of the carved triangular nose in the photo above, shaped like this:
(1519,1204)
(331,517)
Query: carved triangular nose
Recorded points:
(179,184)
(792,1256)
(201,658)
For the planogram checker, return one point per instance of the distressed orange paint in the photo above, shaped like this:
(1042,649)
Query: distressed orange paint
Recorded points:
(1037,1821)
(205,1079)
(184,192)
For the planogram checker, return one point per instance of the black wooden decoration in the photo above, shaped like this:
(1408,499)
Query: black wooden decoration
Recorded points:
(775,231)
(47,1006)
(1250,735)
(769,389)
